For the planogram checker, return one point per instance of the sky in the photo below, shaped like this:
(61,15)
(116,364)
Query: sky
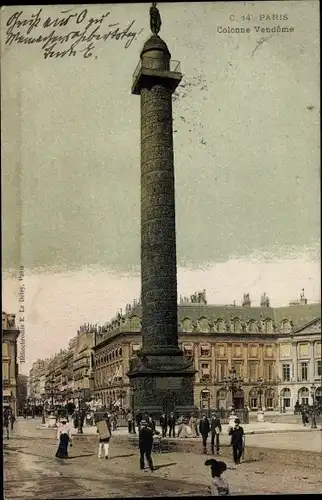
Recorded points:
(247,160)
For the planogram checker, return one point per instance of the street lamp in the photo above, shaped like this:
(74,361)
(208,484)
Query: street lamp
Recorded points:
(313,420)
(261,387)
(43,421)
(133,408)
(206,392)
(79,427)
(232,384)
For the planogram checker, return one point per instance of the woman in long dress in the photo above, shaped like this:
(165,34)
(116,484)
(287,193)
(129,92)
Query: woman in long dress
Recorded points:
(193,426)
(64,436)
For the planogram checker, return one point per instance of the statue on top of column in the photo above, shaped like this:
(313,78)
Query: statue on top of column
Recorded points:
(155,19)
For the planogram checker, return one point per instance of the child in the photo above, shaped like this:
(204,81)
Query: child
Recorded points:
(219,486)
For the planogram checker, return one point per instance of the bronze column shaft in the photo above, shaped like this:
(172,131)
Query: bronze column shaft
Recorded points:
(158,237)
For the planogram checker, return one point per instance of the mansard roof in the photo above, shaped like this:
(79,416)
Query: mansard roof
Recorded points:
(299,314)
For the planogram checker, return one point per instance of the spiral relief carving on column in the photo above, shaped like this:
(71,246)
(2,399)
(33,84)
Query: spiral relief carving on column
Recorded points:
(158,257)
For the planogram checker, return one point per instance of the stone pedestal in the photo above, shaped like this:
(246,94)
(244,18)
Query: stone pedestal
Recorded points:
(260,416)
(162,384)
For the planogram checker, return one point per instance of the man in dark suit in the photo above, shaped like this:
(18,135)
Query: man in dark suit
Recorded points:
(145,444)
(204,428)
(215,427)
(172,424)
(237,441)
(164,424)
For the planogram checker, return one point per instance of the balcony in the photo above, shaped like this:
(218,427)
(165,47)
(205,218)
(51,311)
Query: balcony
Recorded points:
(175,66)
(151,67)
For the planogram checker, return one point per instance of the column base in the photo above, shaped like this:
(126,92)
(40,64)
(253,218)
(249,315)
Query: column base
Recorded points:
(162,384)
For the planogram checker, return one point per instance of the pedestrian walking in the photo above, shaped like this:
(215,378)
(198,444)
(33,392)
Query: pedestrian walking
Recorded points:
(105,432)
(129,421)
(215,428)
(172,424)
(164,424)
(12,420)
(114,421)
(305,417)
(145,444)
(204,428)
(11,417)
(237,440)
(151,423)
(6,421)
(64,436)
(219,486)
(193,424)
(138,418)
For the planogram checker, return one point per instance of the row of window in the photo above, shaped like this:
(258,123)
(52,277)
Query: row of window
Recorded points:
(303,349)
(303,371)
(222,371)
(108,356)
(205,351)
(303,397)
(234,325)
(221,351)
(103,375)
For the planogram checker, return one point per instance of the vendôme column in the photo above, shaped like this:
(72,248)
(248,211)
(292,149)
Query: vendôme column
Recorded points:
(161,377)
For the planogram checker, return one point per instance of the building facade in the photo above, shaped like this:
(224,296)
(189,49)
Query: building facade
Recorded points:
(22,392)
(218,339)
(299,365)
(67,375)
(34,380)
(272,351)
(82,363)
(10,334)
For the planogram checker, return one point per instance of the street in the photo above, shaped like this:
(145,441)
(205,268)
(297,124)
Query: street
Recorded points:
(32,471)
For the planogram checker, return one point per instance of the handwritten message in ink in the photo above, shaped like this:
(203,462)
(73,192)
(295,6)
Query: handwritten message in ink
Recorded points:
(70,33)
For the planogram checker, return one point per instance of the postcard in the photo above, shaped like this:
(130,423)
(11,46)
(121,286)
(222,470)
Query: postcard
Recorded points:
(160,246)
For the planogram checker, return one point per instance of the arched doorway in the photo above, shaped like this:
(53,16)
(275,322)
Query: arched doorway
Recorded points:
(318,396)
(221,399)
(304,396)
(286,398)
(239,399)
(270,397)
(253,399)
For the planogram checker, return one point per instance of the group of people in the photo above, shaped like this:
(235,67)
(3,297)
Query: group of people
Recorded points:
(214,428)
(134,421)
(146,428)
(147,431)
